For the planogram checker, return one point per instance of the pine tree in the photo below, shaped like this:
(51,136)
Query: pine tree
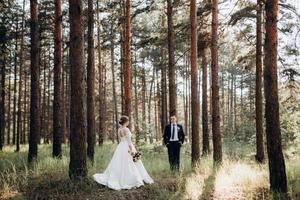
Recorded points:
(278,181)
(194,85)
(77,166)
(35,84)
(217,143)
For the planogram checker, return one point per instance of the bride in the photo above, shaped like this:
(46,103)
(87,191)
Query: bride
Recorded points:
(122,172)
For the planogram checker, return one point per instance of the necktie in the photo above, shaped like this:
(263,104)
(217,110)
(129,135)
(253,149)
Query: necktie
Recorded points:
(173,132)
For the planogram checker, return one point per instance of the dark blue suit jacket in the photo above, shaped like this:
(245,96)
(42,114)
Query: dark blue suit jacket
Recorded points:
(167,133)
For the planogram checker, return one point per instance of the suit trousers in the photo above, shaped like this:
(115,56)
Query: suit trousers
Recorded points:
(174,154)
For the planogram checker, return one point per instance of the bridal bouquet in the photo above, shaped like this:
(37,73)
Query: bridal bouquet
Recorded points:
(136,156)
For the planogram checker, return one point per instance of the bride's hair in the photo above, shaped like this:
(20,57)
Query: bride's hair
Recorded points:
(123,120)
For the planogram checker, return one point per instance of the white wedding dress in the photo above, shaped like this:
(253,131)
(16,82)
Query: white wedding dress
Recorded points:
(122,172)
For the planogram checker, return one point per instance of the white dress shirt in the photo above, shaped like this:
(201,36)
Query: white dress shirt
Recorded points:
(175,133)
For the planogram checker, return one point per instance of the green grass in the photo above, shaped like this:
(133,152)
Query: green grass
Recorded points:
(239,177)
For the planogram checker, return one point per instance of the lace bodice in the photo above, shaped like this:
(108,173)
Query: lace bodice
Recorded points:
(125,135)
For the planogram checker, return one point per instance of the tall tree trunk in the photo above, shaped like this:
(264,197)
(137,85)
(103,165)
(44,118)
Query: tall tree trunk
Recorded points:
(68,95)
(35,84)
(250,96)
(194,85)
(127,61)
(2,91)
(278,179)
(63,95)
(19,119)
(144,99)
(234,105)
(15,83)
(205,129)
(43,100)
(77,167)
(122,53)
(163,80)
(104,99)
(149,130)
(164,96)
(102,111)
(25,114)
(187,102)
(8,112)
(90,84)
(217,146)
(258,97)
(48,135)
(223,99)
(228,103)
(136,101)
(172,69)
(231,102)
(122,50)
(242,98)
(58,128)
(112,53)
(157,105)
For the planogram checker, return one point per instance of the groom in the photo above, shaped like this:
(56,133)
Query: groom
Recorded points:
(173,139)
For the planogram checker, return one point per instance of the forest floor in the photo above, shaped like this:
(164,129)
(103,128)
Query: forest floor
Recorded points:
(239,177)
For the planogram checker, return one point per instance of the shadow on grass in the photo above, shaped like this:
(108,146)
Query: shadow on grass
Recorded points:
(59,186)
(209,185)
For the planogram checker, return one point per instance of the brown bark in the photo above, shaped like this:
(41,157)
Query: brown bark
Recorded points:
(48,135)
(2,93)
(102,136)
(242,97)
(164,104)
(122,53)
(194,86)
(77,167)
(136,102)
(144,88)
(43,97)
(217,146)
(205,129)
(163,83)
(127,61)
(25,113)
(19,117)
(63,95)
(15,82)
(149,130)
(223,98)
(115,115)
(8,112)
(58,128)
(35,88)
(231,103)
(171,65)
(278,181)
(186,113)
(68,96)
(258,97)
(105,100)
(90,85)
(122,50)
(157,105)
(228,102)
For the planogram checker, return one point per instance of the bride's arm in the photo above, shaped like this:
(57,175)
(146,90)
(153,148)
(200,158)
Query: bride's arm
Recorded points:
(128,138)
